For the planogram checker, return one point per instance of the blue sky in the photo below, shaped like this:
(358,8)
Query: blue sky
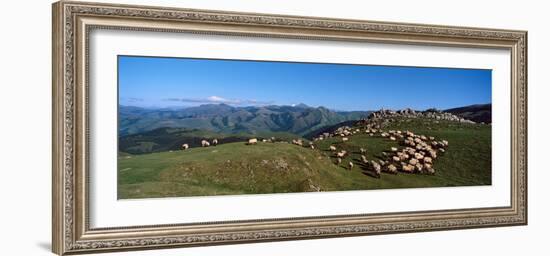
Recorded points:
(174,82)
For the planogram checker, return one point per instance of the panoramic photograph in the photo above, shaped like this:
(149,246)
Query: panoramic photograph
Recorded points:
(207,127)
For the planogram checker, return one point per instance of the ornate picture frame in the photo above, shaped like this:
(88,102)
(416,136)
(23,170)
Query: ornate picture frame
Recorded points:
(72,23)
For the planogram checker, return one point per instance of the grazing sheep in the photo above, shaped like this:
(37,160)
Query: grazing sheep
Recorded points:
(392,138)
(395,158)
(338,160)
(394,149)
(341,154)
(344,139)
(408,168)
(410,151)
(205,143)
(429,168)
(185,146)
(363,151)
(419,167)
(364,159)
(392,169)
(433,153)
(413,161)
(350,165)
(252,141)
(418,156)
(442,150)
(376,167)
(297,142)
(215,142)
(428,160)
(332,148)
(312,147)
(431,138)
(445,143)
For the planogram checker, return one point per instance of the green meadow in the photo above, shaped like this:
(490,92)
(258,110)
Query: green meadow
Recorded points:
(236,168)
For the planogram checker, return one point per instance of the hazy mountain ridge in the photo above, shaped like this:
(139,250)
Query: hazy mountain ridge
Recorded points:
(299,119)
(477,113)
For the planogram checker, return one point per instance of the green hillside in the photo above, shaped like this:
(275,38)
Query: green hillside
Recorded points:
(236,168)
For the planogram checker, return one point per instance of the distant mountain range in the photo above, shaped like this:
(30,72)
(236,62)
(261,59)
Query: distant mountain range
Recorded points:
(299,119)
(144,130)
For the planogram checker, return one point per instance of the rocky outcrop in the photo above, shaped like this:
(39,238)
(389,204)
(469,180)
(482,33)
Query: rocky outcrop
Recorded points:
(410,113)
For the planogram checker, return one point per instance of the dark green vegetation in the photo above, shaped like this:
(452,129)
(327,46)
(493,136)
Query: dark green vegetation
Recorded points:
(226,119)
(236,168)
(477,113)
(166,139)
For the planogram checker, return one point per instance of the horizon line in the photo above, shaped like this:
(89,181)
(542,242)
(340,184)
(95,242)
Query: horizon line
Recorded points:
(295,105)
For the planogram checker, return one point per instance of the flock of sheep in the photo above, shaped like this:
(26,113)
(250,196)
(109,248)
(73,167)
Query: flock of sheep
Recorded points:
(416,156)
(206,143)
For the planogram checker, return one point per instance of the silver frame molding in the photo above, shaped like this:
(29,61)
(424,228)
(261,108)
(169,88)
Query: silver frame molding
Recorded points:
(72,22)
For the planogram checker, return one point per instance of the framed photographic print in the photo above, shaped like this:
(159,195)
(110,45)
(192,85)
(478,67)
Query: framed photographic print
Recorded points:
(179,127)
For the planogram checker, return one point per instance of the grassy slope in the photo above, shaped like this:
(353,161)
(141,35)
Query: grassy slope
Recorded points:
(235,168)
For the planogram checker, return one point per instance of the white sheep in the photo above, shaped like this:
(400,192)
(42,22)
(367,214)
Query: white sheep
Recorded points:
(332,148)
(252,141)
(408,168)
(215,142)
(341,154)
(205,143)
(392,169)
(185,146)
(427,160)
(364,159)
(377,168)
